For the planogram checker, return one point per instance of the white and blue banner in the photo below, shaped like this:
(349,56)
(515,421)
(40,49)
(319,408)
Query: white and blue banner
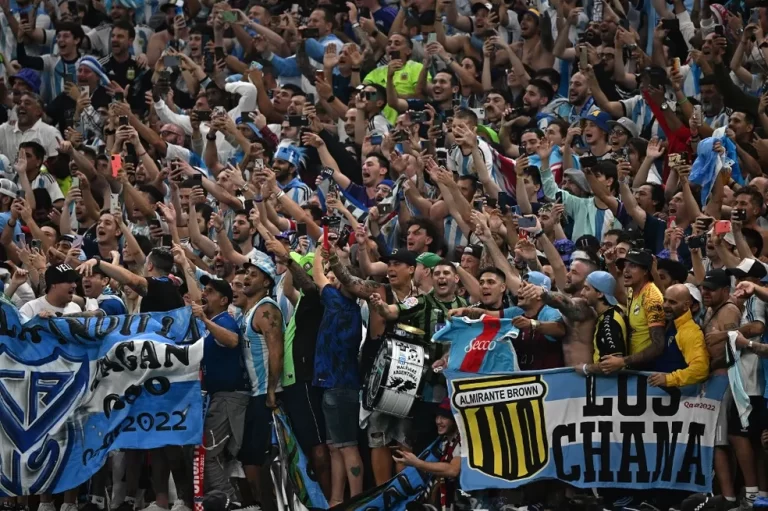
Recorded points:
(589,432)
(73,389)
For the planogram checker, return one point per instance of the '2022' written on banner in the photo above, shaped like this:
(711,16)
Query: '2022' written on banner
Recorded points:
(589,432)
(72,389)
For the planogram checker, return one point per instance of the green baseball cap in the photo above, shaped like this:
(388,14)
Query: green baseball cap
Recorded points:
(428,259)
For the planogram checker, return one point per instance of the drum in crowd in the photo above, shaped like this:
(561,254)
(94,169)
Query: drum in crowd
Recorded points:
(398,375)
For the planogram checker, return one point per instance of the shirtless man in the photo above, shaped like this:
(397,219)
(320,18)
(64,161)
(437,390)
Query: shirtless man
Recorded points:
(579,324)
(722,315)
(533,51)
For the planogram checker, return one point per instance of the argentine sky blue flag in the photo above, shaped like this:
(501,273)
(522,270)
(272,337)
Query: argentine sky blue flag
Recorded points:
(480,345)
(709,164)
(74,389)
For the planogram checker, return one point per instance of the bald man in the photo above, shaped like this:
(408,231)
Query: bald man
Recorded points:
(685,359)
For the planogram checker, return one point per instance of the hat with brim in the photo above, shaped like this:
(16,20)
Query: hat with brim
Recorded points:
(578,177)
(428,259)
(716,279)
(477,6)
(605,283)
(627,125)
(488,132)
(264,264)
(695,293)
(538,279)
(600,118)
(748,268)
(641,258)
(401,256)
(220,286)
(61,274)
(444,409)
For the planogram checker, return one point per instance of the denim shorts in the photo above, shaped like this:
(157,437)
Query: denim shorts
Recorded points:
(341,408)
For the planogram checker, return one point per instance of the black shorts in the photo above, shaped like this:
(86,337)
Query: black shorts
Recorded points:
(755,427)
(257,432)
(303,403)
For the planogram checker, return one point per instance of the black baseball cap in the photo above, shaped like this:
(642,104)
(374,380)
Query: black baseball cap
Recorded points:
(640,257)
(220,286)
(403,256)
(716,279)
(748,268)
(61,274)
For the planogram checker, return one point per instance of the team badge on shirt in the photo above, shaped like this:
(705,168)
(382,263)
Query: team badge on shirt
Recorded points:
(131,73)
(410,302)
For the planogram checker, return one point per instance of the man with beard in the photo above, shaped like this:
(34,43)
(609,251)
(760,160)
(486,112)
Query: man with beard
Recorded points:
(286,166)
(685,360)
(610,337)
(493,287)
(539,343)
(425,312)
(99,298)
(538,94)
(124,69)
(723,315)
(99,39)
(225,380)
(536,51)
(263,353)
(243,232)
(579,103)
(750,200)
(374,172)
(82,102)
(28,127)
(60,284)
(716,114)
(646,316)
(401,265)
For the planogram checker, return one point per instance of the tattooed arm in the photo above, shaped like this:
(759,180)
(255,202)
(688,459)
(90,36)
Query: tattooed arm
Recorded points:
(301,280)
(651,352)
(357,286)
(385,310)
(572,310)
(268,320)
(125,277)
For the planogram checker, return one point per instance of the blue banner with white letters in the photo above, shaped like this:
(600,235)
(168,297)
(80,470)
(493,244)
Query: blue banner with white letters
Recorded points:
(590,432)
(73,389)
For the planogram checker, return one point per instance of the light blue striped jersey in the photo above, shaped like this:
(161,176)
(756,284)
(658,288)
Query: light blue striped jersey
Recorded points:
(56,71)
(8,41)
(256,352)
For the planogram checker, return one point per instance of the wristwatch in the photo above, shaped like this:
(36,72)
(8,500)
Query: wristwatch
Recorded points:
(749,345)
(534,325)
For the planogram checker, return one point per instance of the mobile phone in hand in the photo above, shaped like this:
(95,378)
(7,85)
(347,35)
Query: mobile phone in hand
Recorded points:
(301,229)
(526,221)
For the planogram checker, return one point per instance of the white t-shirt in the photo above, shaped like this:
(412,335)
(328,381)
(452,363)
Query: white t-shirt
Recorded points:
(36,306)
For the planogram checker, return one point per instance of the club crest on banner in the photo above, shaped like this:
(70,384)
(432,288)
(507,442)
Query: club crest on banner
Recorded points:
(509,437)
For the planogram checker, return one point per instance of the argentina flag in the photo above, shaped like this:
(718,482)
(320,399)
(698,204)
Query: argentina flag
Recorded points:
(74,389)
(590,432)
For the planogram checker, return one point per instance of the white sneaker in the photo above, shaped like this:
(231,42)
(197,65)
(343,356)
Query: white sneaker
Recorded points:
(180,506)
(745,505)
(68,507)
(154,507)
(254,507)
(46,506)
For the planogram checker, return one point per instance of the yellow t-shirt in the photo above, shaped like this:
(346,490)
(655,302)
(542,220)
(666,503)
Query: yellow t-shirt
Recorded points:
(405,83)
(644,312)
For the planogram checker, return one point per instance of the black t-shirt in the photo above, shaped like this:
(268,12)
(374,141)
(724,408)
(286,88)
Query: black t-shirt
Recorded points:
(162,295)
(309,314)
(129,73)
(62,109)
